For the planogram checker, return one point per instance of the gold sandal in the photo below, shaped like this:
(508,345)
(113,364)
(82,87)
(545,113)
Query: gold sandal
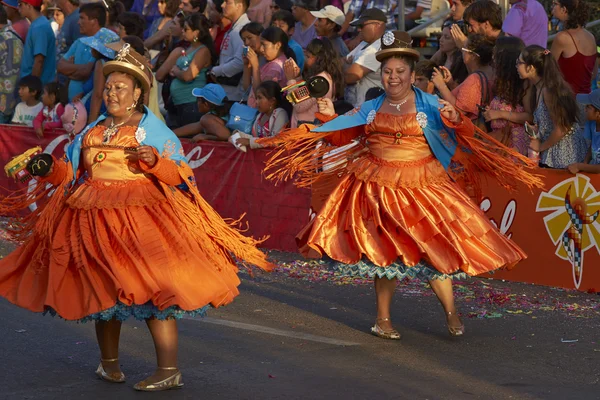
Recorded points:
(454,330)
(172,382)
(391,334)
(114,377)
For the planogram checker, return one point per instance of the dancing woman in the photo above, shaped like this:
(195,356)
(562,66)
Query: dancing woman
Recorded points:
(397,211)
(125,232)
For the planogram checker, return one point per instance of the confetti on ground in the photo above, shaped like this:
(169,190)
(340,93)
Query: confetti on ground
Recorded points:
(478,297)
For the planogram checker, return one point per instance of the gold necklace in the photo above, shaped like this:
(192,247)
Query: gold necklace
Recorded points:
(113,129)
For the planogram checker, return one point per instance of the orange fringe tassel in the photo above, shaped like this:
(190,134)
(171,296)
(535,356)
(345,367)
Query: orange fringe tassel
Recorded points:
(482,153)
(301,154)
(201,219)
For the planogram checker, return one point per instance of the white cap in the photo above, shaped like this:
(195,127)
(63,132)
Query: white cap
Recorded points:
(332,13)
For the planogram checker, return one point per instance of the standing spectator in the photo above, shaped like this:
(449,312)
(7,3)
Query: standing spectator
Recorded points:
(458,9)
(304,30)
(362,68)
(476,90)
(39,53)
(284,20)
(19,23)
(219,25)
(357,7)
(250,35)
(57,16)
(483,17)
(449,57)
(148,10)
(321,61)
(188,70)
(11,50)
(275,50)
(230,69)
(69,32)
(415,10)
(192,6)
(260,11)
(575,47)
(30,90)
(131,24)
(511,106)
(560,142)
(329,23)
(78,63)
(527,20)
(167,10)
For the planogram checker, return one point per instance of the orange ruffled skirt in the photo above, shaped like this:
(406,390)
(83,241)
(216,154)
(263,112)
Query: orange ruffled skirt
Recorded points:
(396,213)
(119,249)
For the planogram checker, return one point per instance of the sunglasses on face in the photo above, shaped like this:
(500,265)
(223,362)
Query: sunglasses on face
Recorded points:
(469,51)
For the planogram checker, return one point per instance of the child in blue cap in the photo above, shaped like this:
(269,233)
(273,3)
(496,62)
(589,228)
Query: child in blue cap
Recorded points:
(591,133)
(212,103)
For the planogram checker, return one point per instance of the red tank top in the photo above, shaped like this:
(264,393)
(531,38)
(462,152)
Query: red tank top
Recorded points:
(578,70)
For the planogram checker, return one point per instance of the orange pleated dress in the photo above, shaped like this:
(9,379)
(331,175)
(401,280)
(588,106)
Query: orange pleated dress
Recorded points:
(396,213)
(119,248)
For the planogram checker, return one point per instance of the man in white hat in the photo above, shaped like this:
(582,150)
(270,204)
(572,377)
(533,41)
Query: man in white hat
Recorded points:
(328,24)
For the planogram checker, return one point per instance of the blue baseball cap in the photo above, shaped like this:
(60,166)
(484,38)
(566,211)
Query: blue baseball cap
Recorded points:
(592,99)
(11,3)
(212,93)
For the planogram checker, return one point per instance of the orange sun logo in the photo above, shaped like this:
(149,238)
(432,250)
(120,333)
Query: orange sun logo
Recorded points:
(572,225)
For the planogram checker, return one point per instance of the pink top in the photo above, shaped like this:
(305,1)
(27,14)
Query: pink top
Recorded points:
(305,111)
(271,71)
(260,12)
(50,117)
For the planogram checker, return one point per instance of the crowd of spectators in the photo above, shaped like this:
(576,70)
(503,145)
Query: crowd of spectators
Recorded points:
(207,56)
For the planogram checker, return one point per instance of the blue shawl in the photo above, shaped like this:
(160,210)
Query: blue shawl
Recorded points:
(443,147)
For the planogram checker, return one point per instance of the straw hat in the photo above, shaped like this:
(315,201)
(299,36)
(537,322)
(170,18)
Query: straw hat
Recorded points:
(129,62)
(396,43)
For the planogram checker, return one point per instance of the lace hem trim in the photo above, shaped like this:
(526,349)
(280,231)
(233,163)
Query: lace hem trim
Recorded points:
(398,270)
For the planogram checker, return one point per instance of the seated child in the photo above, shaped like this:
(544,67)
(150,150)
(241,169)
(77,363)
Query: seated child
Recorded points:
(272,117)
(212,103)
(591,133)
(423,72)
(54,99)
(30,90)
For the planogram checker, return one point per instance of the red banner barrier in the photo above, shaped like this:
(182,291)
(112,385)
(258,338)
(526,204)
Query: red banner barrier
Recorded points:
(557,227)
(230,180)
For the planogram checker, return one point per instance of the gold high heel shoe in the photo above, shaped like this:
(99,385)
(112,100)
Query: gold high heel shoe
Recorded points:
(454,330)
(114,377)
(172,382)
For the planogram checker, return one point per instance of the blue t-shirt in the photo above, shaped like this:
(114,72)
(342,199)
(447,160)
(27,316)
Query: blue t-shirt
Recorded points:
(40,40)
(68,33)
(82,54)
(590,134)
(298,52)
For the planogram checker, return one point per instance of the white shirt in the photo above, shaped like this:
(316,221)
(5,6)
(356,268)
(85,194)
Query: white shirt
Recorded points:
(230,58)
(25,114)
(364,55)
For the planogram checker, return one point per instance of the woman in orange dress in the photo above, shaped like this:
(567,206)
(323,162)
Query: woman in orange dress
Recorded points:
(397,211)
(125,232)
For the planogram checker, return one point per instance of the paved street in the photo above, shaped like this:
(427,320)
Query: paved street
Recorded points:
(288,338)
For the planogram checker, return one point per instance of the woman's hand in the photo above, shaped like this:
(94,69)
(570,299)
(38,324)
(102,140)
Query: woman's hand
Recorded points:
(146,155)
(491,115)
(449,112)
(438,79)
(291,69)
(175,71)
(448,78)
(252,58)
(242,142)
(39,132)
(460,40)
(535,145)
(325,106)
